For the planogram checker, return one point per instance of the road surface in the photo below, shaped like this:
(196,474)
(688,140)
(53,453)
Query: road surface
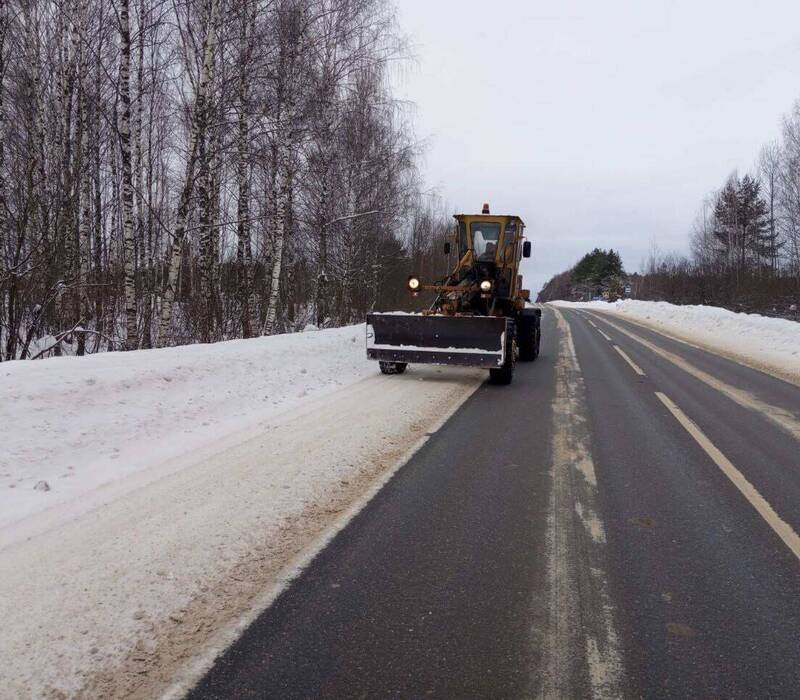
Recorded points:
(620,522)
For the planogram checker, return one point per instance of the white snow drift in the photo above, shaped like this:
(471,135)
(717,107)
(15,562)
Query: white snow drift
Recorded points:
(772,344)
(76,423)
(185,485)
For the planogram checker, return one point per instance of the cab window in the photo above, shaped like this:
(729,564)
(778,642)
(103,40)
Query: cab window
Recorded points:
(484,240)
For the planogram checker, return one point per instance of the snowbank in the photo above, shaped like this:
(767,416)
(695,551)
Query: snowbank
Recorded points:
(772,344)
(71,424)
(187,486)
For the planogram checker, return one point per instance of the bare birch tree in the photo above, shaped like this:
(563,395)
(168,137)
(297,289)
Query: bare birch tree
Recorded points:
(294,182)
(199,124)
(124,125)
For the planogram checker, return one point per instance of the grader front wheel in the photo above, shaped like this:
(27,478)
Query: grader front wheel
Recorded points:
(503,375)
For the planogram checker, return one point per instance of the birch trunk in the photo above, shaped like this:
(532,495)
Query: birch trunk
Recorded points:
(97,249)
(322,228)
(35,152)
(198,126)
(244,248)
(73,189)
(215,193)
(282,148)
(84,188)
(244,251)
(142,242)
(41,139)
(66,213)
(280,198)
(137,138)
(127,176)
(4,20)
(152,243)
(206,252)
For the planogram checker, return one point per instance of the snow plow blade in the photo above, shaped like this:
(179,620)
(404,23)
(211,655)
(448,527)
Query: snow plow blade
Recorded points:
(469,341)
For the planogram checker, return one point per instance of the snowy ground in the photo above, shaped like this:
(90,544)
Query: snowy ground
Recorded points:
(771,344)
(77,423)
(186,485)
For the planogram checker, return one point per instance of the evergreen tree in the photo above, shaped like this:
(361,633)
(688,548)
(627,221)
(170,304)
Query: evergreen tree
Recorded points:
(595,273)
(596,267)
(741,223)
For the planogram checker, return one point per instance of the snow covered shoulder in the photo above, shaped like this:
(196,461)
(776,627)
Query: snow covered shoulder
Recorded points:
(72,424)
(771,344)
(151,501)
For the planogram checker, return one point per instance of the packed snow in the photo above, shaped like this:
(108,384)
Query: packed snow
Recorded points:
(772,344)
(70,424)
(153,502)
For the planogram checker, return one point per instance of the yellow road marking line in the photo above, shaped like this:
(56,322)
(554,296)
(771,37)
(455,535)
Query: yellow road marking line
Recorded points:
(765,510)
(627,359)
(672,334)
(780,416)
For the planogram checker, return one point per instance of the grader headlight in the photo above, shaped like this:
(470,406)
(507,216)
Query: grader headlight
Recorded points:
(486,286)
(413,283)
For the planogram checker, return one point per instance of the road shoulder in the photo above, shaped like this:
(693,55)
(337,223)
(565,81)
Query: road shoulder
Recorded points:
(144,589)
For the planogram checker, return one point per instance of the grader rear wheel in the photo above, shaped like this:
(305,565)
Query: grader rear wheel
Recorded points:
(530,336)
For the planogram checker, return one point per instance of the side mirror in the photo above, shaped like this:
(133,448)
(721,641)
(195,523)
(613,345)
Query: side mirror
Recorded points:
(526,249)
(447,248)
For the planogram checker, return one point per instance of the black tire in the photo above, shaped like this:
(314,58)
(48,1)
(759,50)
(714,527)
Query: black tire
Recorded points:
(392,367)
(502,376)
(529,337)
(527,348)
(533,347)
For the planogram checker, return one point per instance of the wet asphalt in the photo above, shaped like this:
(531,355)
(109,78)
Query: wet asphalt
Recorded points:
(438,588)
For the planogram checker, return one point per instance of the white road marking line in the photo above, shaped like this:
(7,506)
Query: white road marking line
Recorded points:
(627,359)
(604,335)
(765,510)
(591,323)
(780,416)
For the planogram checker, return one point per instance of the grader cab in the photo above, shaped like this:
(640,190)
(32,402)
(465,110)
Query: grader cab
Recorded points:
(480,316)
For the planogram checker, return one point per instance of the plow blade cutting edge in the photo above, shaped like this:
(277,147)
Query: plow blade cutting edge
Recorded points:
(470,341)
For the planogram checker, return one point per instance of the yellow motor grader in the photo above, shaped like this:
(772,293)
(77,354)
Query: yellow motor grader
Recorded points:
(480,316)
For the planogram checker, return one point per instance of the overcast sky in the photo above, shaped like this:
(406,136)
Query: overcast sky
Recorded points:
(600,122)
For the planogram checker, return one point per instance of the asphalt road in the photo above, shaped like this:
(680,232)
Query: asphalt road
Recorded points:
(619,522)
